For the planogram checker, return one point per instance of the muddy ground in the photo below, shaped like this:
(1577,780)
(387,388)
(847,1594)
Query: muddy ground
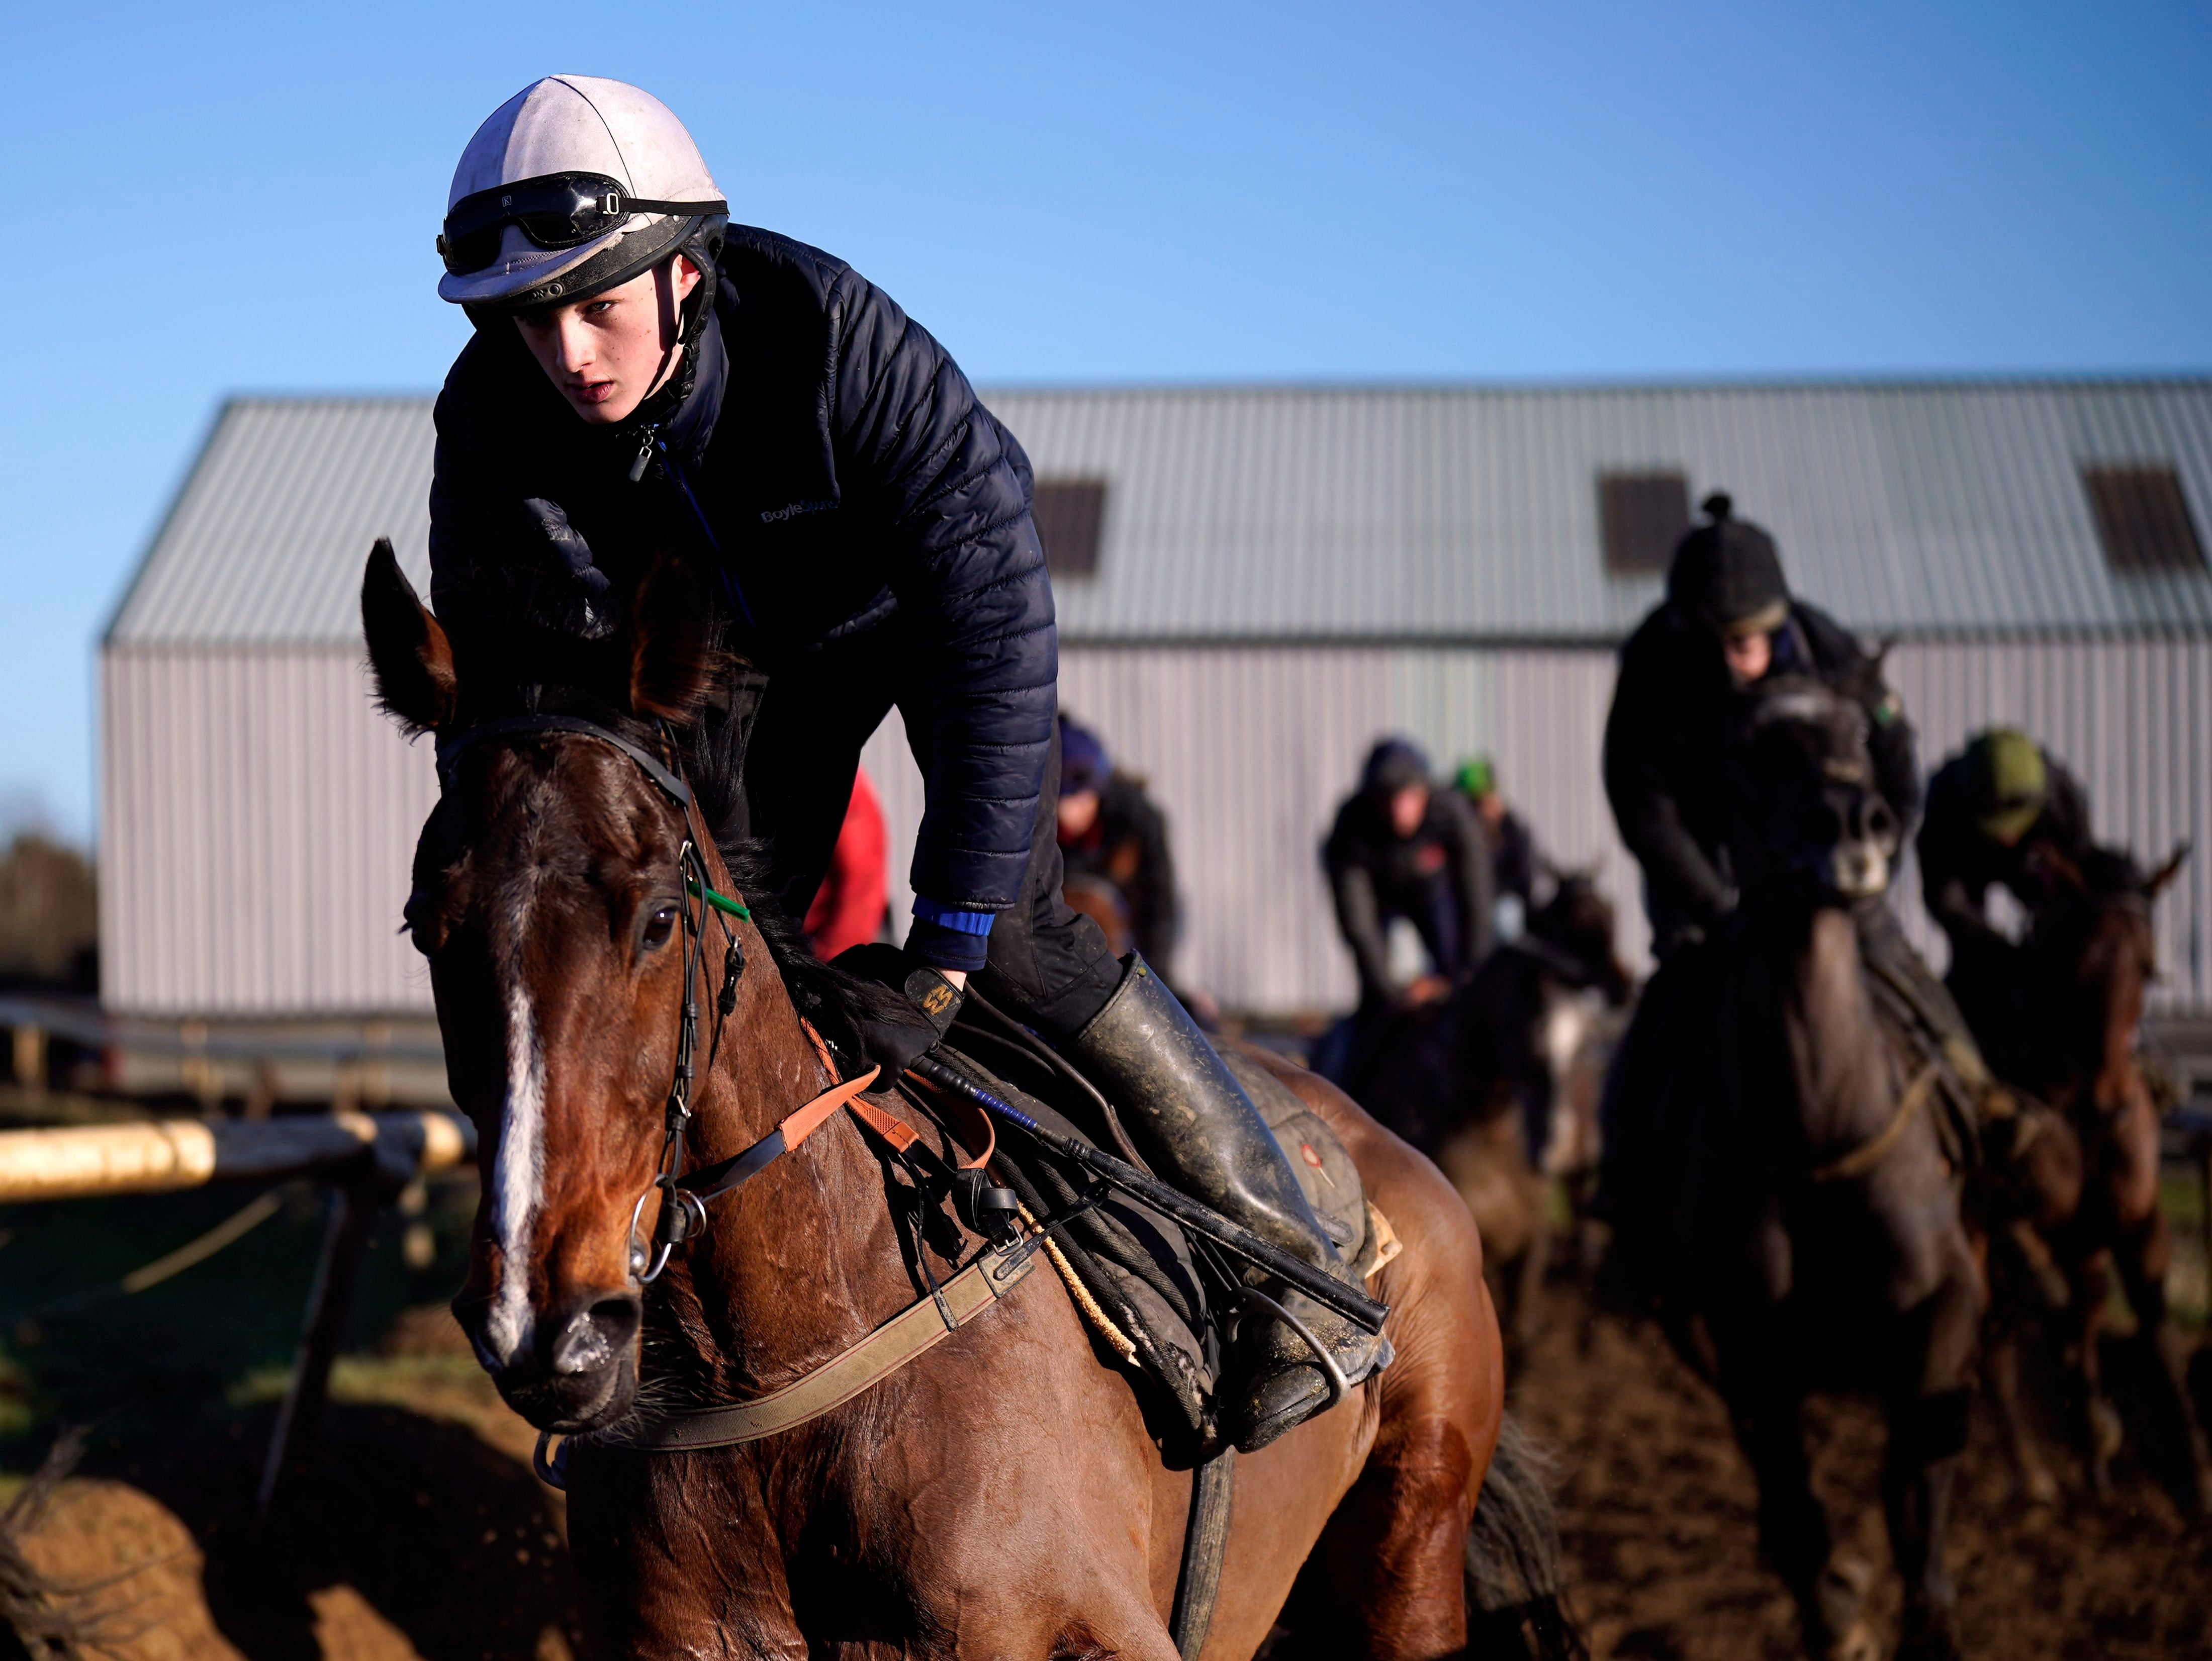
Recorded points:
(423,1533)
(426,1536)
(1657,1512)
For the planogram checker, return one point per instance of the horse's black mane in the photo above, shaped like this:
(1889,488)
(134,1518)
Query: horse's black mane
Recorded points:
(835,1000)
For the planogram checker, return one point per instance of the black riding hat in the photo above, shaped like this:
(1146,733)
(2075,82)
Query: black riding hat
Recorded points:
(1728,572)
(1394,765)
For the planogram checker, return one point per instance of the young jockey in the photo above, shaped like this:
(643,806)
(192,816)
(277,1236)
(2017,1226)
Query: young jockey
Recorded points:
(646,375)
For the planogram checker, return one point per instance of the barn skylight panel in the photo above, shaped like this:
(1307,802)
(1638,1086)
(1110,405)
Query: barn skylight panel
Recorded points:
(1641,516)
(1068,513)
(2143,518)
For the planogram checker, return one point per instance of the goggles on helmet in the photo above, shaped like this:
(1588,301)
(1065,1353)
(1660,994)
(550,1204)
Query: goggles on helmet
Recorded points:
(555,210)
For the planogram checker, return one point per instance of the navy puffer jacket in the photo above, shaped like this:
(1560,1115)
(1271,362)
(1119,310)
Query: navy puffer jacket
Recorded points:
(843,474)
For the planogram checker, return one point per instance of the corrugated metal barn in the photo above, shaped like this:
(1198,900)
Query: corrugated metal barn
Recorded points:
(1252,583)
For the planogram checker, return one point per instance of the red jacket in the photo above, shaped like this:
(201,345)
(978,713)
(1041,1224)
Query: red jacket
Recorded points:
(849,907)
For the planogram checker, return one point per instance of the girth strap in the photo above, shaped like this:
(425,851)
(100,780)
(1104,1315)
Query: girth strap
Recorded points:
(919,1327)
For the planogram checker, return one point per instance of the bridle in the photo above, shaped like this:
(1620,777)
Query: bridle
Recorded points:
(683,1198)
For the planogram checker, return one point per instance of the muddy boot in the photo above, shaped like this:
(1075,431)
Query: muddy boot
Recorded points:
(1193,1123)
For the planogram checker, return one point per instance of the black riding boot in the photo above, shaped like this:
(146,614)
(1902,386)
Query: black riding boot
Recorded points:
(1194,1123)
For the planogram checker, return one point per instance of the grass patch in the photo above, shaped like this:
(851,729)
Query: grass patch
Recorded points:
(452,1388)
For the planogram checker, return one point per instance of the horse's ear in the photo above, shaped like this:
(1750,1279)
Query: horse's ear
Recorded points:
(408,652)
(2165,873)
(674,664)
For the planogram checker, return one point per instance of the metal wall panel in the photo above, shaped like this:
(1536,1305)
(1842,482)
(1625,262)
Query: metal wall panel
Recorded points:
(260,816)
(259,819)
(1249,749)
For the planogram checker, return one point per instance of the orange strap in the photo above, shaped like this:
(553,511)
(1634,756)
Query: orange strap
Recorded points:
(976,1115)
(805,1122)
(889,1126)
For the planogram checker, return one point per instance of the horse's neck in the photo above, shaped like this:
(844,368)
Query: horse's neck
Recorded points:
(2119,986)
(804,1259)
(1840,1060)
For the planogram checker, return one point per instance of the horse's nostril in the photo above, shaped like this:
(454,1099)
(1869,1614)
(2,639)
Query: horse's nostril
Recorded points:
(618,1317)
(593,1339)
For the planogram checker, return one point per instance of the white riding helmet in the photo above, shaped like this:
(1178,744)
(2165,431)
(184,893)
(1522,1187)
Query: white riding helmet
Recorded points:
(574,185)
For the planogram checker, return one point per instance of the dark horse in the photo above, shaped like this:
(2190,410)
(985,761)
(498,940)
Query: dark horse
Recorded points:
(2084,1175)
(1498,1083)
(1499,1043)
(999,1495)
(1819,1221)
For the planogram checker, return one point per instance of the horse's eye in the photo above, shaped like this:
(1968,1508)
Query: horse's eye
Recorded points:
(419,922)
(659,926)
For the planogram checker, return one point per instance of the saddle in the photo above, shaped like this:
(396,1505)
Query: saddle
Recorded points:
(1158,1301)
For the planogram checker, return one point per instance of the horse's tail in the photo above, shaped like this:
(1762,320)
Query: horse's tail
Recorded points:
(1515,1597)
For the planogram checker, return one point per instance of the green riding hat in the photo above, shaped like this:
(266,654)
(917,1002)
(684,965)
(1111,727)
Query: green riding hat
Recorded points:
(1476,777)
(2007,783)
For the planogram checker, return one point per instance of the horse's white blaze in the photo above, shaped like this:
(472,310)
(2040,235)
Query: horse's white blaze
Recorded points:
(517,1176)
(1566,1028)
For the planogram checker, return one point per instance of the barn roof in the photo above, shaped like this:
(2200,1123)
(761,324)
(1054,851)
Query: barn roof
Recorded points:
(1343,513)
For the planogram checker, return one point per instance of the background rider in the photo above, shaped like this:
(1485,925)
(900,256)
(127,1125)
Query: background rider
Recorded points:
(1514,860)
(1112,831)
(1401,849)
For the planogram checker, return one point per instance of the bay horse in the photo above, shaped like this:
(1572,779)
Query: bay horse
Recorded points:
(1817,1222)
(998,1495)
(2085,1175)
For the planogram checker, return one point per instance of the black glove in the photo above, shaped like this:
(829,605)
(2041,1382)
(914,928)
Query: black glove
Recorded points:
(896,1033)
(583,604)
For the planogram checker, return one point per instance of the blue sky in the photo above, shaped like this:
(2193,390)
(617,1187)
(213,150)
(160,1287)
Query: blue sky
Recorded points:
(227,198)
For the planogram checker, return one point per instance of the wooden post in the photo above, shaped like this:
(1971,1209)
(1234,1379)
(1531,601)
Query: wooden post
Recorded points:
(199,1071)
(31,1060)
(329,1316)
(376,1069)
